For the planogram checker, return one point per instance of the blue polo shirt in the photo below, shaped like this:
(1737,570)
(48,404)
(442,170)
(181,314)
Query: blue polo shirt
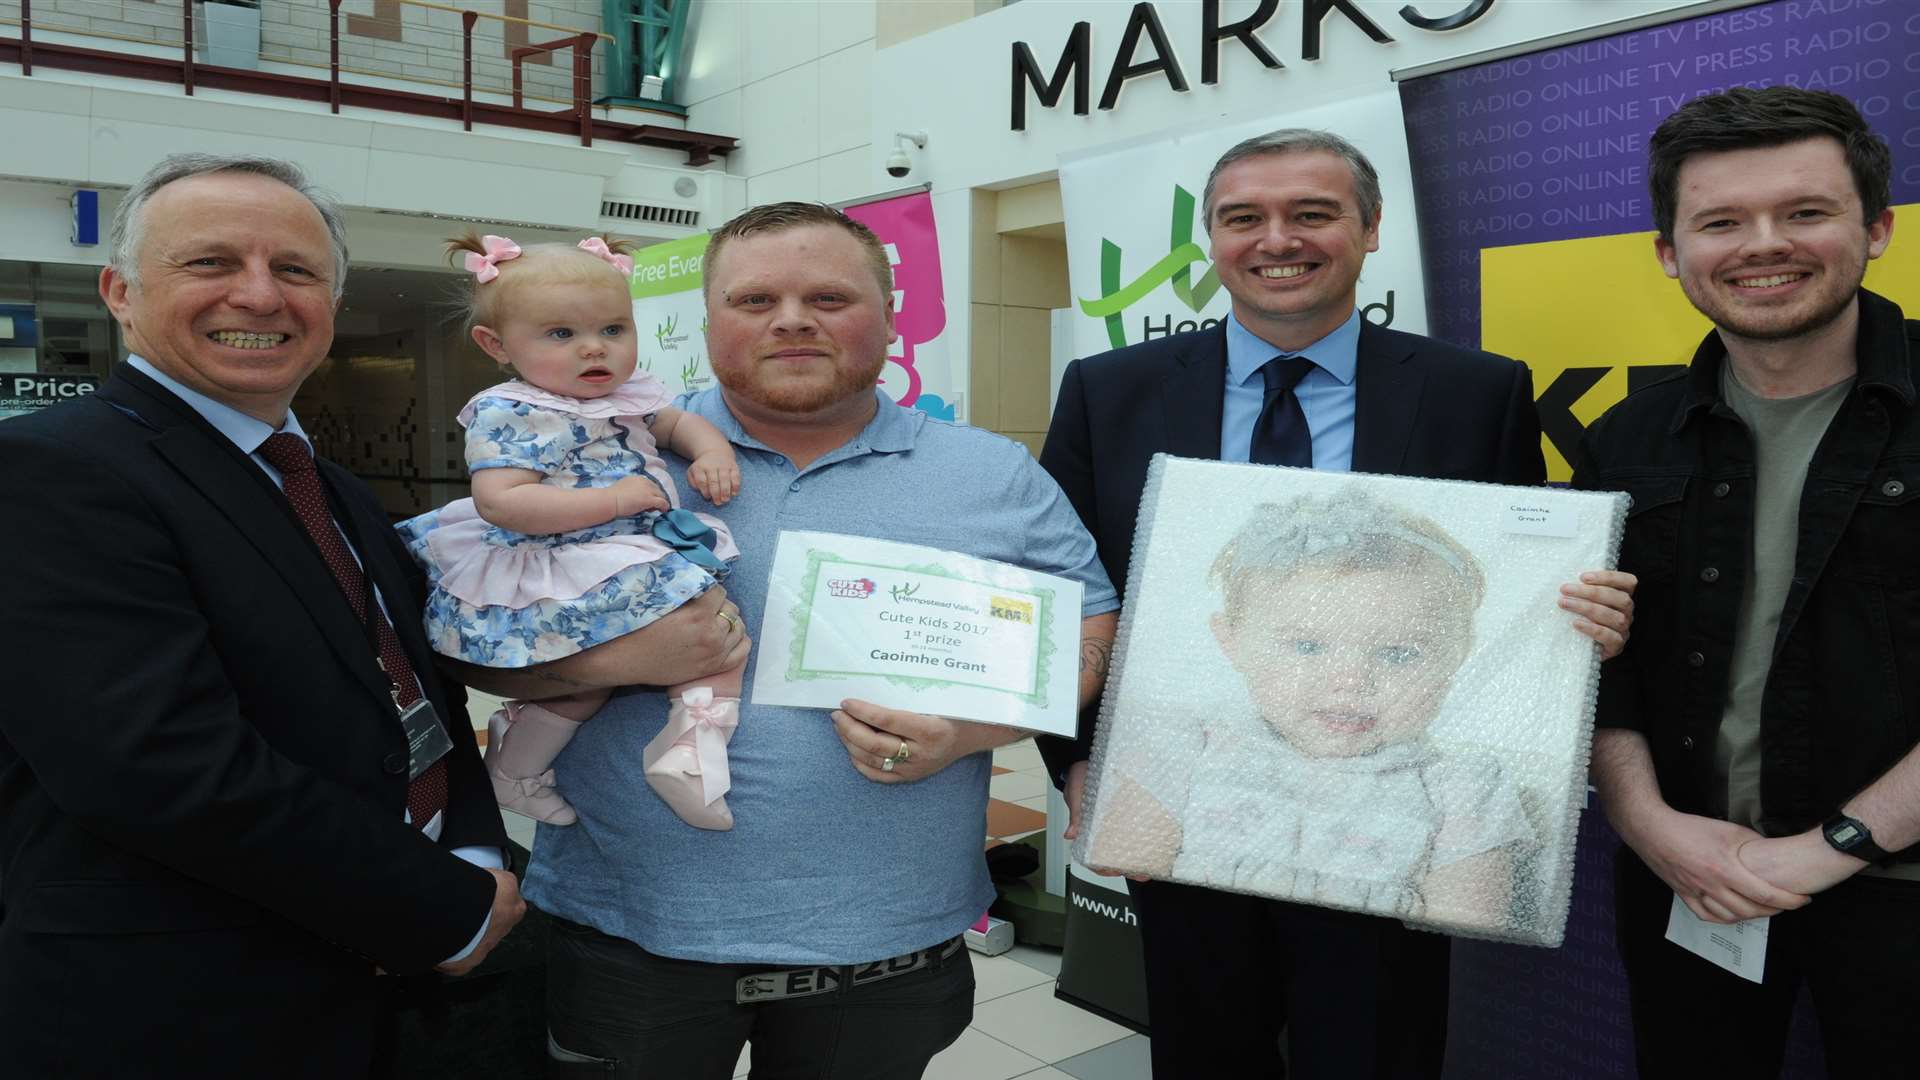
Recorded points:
(822,865)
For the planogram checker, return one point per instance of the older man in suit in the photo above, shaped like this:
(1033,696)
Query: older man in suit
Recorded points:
(1294,376)
(231,786)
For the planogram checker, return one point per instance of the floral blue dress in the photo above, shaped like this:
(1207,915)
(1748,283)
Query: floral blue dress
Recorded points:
(505,599)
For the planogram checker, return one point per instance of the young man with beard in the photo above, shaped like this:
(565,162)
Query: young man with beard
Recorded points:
(855,860)
(1294,376)
(1757,737)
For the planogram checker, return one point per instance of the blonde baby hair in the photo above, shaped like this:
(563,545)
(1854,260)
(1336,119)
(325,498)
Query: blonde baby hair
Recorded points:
(1347,532)
(487,303)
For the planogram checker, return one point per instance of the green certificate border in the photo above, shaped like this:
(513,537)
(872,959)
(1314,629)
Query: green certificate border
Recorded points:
(802,614)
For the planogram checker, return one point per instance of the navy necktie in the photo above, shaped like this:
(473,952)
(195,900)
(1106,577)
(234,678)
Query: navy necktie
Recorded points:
(1280,436)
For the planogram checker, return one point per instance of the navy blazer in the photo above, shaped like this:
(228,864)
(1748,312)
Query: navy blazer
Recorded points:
(1424,408)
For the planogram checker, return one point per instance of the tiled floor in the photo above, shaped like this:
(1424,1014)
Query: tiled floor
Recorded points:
(1019,1028)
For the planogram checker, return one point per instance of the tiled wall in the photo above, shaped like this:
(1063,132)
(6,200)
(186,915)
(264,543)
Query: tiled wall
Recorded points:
(794,80)
(382,37)
(405,41)
(1017,281)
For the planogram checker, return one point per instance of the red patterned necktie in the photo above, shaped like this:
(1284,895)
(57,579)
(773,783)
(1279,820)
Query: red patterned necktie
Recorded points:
(427,793)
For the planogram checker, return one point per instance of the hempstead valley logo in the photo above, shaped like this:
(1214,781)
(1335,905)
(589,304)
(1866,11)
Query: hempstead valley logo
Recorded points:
(1174,268)
(902,592)
(852,588)
(663,333)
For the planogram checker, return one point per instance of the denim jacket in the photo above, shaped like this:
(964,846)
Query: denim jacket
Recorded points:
(1842,698)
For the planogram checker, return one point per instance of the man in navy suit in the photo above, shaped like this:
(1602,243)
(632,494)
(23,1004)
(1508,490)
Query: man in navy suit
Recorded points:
(1293,376)
(212,829)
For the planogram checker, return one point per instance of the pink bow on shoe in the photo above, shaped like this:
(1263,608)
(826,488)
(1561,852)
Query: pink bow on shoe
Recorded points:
(487,267)
(686,764)
(593,245)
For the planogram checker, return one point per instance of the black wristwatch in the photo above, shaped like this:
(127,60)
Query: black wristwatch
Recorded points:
(1851,837)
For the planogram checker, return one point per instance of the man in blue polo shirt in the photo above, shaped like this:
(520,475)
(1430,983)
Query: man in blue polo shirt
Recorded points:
(857,841)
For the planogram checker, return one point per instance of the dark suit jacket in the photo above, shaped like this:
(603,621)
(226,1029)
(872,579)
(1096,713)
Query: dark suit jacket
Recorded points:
(1424,408)
(202,779)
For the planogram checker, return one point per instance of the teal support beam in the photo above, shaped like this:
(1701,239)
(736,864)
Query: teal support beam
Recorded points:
(649,39)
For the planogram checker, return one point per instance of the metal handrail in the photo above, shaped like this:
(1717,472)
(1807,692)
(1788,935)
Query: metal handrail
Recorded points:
(581,42)
(700,147)
(505,18)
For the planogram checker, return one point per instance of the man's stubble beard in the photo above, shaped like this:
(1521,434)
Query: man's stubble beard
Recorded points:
(1726,317)
(802,398)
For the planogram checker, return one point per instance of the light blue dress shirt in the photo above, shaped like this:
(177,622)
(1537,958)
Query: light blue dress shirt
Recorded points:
(1327,393)
(248,433)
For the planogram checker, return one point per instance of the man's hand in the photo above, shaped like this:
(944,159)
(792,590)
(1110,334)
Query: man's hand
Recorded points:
(1074,793)
(873,733)
(508,910)
(1602,604)
(1804,863)
(1700,859)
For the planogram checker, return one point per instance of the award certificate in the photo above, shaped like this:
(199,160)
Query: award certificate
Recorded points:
(912,627)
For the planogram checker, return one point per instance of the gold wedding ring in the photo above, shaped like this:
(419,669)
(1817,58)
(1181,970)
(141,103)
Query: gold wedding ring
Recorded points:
(732,622)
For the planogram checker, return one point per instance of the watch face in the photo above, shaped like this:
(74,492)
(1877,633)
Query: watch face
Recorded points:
(1846,834)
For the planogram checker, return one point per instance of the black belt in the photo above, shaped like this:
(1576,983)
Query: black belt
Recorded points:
(807,981)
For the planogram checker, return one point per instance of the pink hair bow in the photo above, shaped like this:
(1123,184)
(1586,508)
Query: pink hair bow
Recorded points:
(593,245)
(487,267)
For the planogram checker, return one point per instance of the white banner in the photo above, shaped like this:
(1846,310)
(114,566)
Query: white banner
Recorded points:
(670,314)
(1137,250)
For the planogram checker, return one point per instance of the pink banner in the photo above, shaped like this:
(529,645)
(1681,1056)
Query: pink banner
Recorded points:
(919,373)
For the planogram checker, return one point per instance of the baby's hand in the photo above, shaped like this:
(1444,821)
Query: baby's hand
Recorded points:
(637,495)
(716,475)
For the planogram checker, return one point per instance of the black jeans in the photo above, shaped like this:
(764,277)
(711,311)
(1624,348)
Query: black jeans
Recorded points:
(616,1010)
(1856,947)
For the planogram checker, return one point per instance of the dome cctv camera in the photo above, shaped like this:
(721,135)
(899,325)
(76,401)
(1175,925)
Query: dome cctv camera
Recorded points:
(898,163)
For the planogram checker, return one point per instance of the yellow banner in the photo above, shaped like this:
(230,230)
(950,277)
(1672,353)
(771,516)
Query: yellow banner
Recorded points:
(1584,314)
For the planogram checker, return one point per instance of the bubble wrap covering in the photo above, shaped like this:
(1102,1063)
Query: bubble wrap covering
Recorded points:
(1353,691)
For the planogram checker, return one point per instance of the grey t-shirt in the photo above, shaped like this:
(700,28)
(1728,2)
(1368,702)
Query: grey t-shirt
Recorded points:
(1786,432)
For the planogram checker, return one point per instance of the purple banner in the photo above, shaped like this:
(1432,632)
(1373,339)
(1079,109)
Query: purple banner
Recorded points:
(1553,145)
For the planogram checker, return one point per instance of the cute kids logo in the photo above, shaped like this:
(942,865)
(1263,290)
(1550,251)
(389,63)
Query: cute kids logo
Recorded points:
(851,588)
